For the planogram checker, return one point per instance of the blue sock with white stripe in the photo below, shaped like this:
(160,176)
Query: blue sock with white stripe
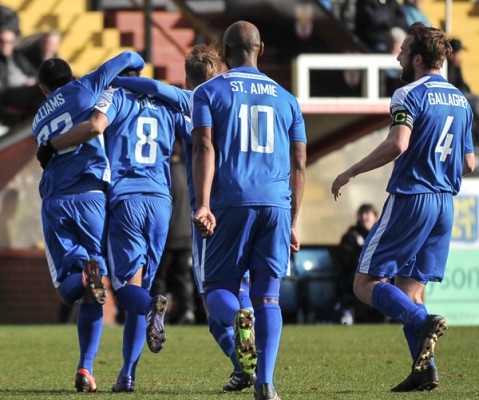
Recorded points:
(394,303)
(224,336)
(89,326)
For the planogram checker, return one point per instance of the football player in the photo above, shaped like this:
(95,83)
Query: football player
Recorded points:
(72,189)
(431,143)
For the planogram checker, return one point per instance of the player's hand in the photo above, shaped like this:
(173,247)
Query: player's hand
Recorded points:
(339,182)
(204,221)
(294,243)
(45,153)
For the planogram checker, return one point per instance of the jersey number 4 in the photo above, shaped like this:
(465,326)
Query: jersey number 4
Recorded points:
(253,124)
(444,144)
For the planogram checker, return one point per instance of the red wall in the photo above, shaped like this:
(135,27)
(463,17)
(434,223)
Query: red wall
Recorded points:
(27,295)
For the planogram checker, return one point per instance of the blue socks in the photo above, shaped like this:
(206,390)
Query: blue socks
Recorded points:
(72,288)
(243,296)
(222,306)
(89,326)
(410,336)
(224,336)
(394,303)
(268,326)
(134,336)
(133,299)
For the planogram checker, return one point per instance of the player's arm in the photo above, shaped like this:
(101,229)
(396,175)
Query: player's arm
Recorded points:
(469,163)
(297,181)
(391,148)
(177,98)
(81,133)
(102,77)
(203,173)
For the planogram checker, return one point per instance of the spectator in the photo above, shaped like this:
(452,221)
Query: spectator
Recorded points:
(8,208)
(350,247)
(174,273)
(413,13)
(9,19)
(374,21)
(454,76)
(39,47)
(19,92)
(391,79)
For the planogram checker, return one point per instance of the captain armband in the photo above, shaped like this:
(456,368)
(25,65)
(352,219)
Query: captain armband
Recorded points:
(402,117)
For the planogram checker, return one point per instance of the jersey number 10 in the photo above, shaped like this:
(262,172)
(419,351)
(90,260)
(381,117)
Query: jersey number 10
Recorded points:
(250,128)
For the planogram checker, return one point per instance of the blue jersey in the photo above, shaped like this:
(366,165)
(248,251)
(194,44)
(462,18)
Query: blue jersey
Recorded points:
(254,120)
(441,136)
(178,99)
(82,168)
(139,142)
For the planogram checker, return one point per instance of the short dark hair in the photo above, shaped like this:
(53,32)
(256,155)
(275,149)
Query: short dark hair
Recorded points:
(366,207)
(54,73)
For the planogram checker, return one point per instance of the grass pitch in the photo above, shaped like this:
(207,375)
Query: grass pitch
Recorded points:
(315,362)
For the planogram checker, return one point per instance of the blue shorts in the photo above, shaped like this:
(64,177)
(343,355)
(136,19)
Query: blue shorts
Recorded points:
(411,238)
(199,244)
(74,230)
(255,238)
(137,232)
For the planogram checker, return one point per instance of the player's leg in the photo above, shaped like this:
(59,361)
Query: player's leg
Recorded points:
(429,265)
(65,256)
(383,255)
(69,246)
(91,230)
(268,323)
(226,257)
(134,254)
(424,380)
(243,296)
(411,219)
(269,262)
(223,335)
(134,335)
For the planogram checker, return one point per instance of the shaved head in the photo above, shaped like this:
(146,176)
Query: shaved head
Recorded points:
(242,35)
(242,44)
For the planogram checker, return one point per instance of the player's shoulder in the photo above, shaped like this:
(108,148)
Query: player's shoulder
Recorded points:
(410,91)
